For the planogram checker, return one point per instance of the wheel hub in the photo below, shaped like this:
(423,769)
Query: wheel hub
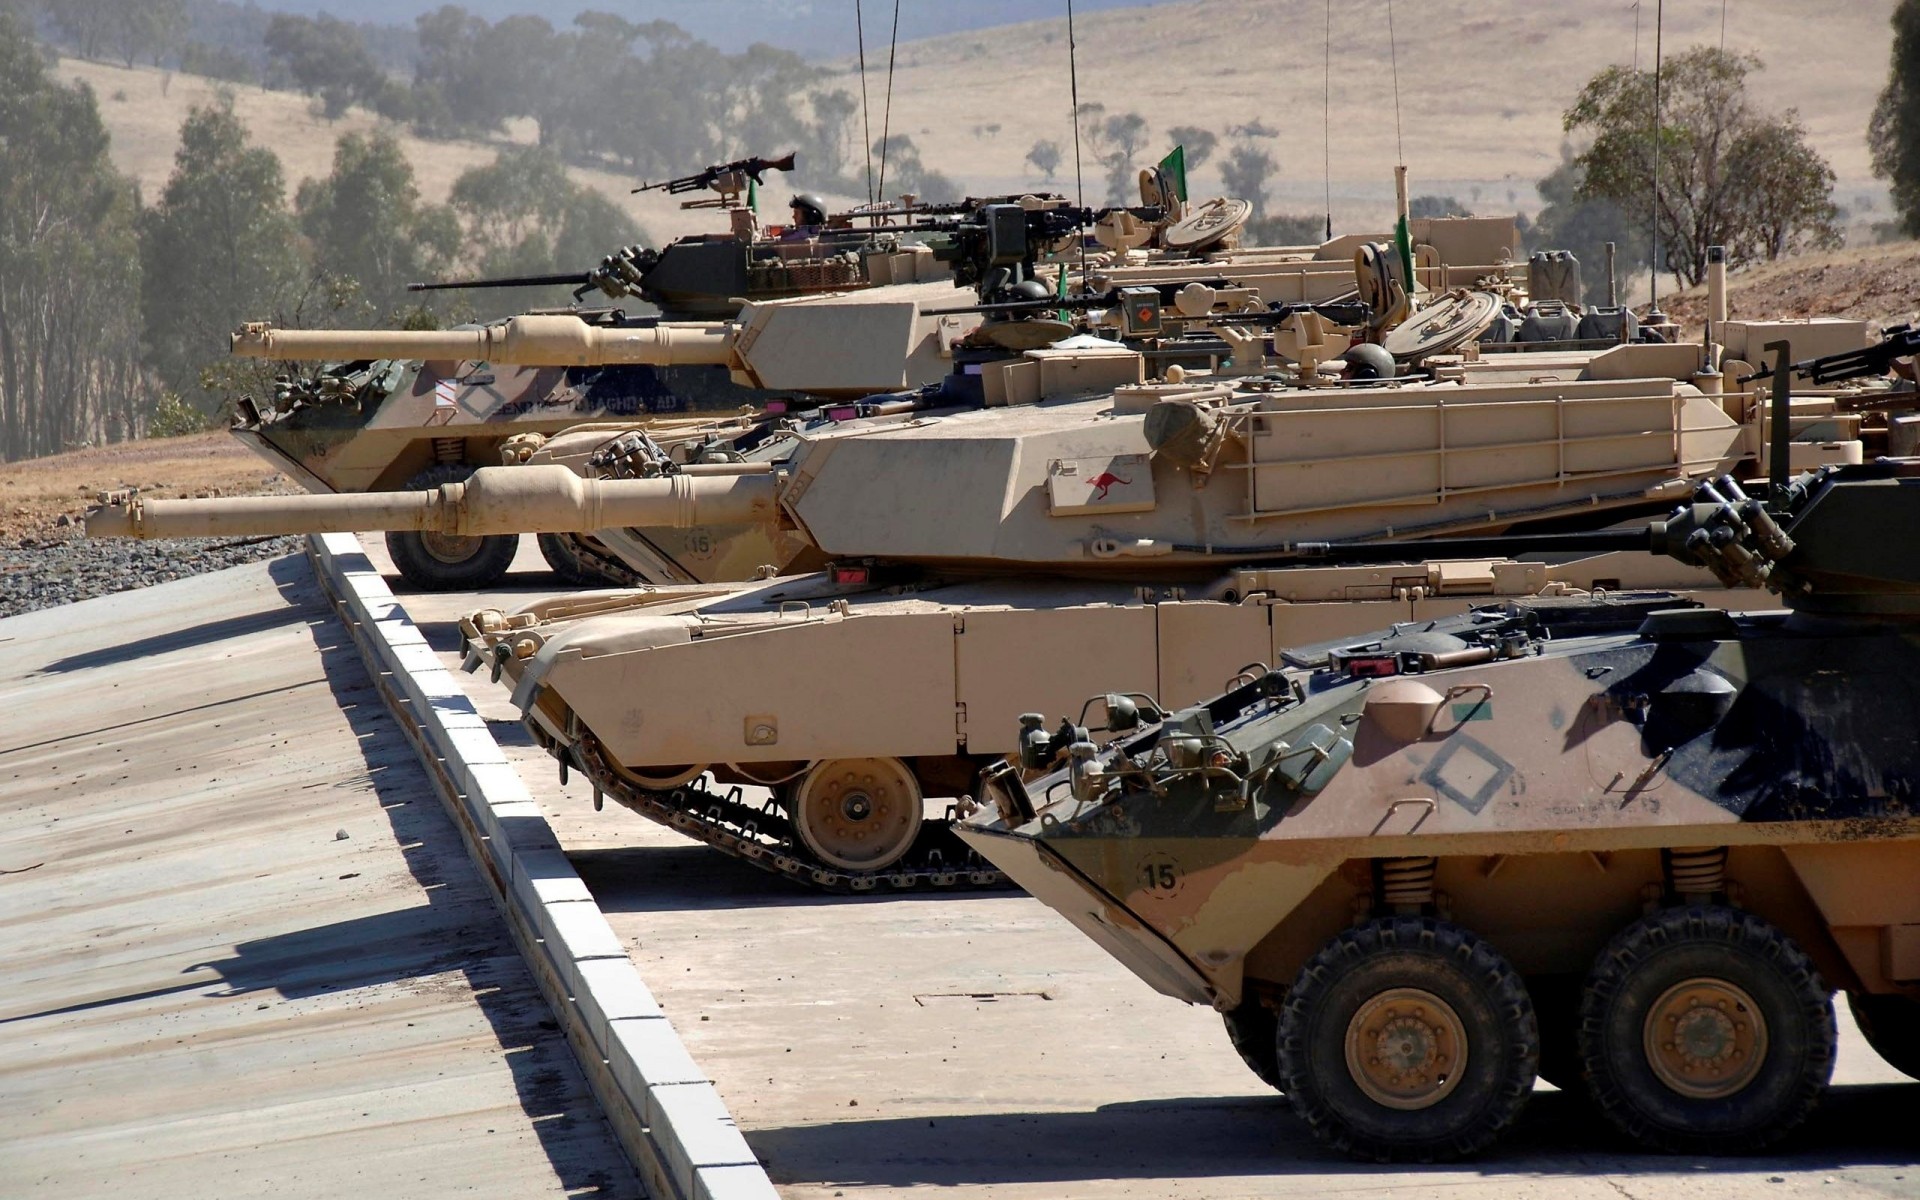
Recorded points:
(450,548)
(858,814)
(1705,1038)
(1406,1048)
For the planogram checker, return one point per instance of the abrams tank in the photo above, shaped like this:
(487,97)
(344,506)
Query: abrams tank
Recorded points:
(414,409)
(1625,842)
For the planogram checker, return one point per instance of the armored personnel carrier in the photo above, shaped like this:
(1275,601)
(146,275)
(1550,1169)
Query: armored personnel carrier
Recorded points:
(1625,841)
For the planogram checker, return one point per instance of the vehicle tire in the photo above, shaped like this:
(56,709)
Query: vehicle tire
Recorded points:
(563,555)
(1408,1039)
(1891,1025)
(1751,1032)
(436,562)
(1556,1008)
(1254,1030)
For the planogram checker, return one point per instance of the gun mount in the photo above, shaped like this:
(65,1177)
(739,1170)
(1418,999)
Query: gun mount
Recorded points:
(1627,842)
(727,179)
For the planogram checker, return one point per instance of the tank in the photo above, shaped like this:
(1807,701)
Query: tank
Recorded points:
(1625,842)
(400,409)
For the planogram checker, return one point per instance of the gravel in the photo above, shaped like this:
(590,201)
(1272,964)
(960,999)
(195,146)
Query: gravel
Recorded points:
(60,566)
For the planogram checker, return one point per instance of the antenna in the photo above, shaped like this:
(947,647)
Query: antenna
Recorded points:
(866,121)
(1079,183)
(1326,118)
(1654,315)
(886,119)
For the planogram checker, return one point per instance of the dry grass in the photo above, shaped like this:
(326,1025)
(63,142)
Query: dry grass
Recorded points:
(36,493)
(1482,86)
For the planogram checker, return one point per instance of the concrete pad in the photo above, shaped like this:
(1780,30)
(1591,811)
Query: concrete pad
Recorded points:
(245,953)
(977,1046)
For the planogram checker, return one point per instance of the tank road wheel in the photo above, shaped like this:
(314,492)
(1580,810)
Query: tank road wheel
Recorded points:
(1891,1025)
(441,562)
(1254,1030)
(857,814)
(1705,1030)
(1407,1039)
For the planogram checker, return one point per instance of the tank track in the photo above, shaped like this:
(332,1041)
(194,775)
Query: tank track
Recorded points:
(763,836)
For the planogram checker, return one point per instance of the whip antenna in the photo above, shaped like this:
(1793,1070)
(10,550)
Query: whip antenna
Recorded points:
(1326,119)
(1079,184)
(866,122)
(1653,257)
(886,119)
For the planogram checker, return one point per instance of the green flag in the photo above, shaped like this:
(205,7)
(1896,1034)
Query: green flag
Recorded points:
(1403,242)
(753,194)
(1174,167)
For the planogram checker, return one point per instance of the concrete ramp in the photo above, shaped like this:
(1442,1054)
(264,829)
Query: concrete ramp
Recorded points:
(245,952)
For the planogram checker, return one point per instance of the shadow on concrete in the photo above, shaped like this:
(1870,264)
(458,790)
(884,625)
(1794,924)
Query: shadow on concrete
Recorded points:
(687,877)
(180,639)
(457,928)
(1197,1138)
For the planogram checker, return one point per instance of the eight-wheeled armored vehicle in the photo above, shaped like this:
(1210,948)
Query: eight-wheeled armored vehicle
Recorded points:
(1625,841)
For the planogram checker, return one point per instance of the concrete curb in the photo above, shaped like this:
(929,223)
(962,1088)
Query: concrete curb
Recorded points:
(669,1119)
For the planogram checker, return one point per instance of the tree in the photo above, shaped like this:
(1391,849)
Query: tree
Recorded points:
(69,343)
(367,225)
(523,216)
(1569,220)
(1045,157)
(220,248)
(905,172)
(1200,143)
(1894,133)
(1436,206)
(1246,171)
(326,58)
(1725,167)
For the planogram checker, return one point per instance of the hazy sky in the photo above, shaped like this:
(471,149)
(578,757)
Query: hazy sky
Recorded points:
(819,28)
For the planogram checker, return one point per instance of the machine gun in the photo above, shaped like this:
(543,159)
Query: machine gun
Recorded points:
(1900,341)
(726,178)
(621,273)
(994,246)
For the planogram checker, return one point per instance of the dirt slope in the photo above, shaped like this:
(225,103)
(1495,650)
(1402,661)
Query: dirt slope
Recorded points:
(1875,283)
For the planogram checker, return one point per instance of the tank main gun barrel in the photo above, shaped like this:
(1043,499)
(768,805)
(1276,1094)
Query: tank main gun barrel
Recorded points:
(493,500)
(534,340)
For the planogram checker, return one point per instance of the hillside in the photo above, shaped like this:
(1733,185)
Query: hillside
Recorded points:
(143,108)
(1874,283)
(1482,87)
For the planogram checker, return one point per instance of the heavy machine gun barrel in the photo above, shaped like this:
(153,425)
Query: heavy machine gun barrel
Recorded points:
(532,340)
(753,167)
(1867,362)
(562,279)
(493,500)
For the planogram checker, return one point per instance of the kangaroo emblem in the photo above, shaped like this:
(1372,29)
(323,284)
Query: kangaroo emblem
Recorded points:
(1103,481)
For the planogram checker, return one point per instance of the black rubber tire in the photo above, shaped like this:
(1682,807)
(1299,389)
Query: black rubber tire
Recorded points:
(1556,1008)
(1706,941)
(429,572)
(1254,1030)
(1891,1025)
(1502,1039)
(559,549)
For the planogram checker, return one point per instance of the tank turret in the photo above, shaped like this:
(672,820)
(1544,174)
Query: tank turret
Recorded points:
(1625,842)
